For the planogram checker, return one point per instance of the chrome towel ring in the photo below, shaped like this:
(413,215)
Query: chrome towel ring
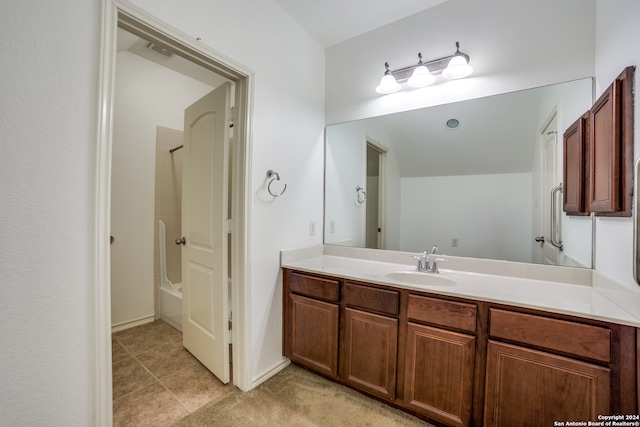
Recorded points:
(273,176)
(361,195)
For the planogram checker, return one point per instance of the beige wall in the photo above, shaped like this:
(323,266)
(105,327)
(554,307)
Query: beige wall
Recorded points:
(168,202)
(147,96)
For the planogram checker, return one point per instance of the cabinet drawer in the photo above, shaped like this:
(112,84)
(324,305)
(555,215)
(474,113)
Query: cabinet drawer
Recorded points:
(316,287)
(369,298)
(573,338)
(444,313)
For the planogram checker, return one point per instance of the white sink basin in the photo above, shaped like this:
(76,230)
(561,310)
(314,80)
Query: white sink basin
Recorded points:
(420,278)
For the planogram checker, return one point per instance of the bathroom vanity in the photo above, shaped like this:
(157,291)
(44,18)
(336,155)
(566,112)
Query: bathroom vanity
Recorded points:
(482,343)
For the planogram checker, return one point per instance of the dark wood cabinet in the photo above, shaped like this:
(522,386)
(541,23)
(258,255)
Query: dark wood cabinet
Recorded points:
(604,150)
(314,334)
(370,348)
(527,387)
(439,362)
(312,321)
(598,154)
(439,374)
(611,148)
(575,168)
(370,352)
(539,375)
(460,362)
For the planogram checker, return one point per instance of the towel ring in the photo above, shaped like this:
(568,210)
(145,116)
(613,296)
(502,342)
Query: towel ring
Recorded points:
(361,195)
(273,175)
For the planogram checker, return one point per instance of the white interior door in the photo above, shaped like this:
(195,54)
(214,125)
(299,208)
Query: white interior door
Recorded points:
(205,310)
(550,230)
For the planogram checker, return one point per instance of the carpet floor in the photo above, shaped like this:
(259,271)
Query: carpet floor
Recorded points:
(296,397)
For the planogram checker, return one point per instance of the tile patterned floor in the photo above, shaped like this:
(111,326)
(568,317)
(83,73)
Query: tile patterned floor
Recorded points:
(156,382)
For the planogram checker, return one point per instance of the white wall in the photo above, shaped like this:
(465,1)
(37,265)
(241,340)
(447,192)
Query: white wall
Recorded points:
(287,136)
(457,205)
(345,169)
(617,33)
(48,119)
(48,110)
(576,230)
(146,96)
(512,44)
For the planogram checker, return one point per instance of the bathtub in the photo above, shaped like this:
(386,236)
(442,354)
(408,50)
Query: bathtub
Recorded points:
(169,294)
(170,305)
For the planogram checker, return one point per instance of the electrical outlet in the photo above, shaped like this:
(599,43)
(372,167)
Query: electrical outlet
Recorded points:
(454,242)
(332,226)
(312,228)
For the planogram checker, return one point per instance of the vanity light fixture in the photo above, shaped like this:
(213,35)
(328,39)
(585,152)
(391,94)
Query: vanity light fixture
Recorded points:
(455,66)
(421,76)
(388,83)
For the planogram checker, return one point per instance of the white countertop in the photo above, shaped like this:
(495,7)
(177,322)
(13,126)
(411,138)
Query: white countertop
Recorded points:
(554,289)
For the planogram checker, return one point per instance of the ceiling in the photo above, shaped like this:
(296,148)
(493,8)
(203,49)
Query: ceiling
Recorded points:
(328,21)
(334,21)
(140,47)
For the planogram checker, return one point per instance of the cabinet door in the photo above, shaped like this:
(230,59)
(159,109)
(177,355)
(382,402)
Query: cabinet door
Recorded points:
(371,347)
(532,388)
(604,151)
(439,374)
(576,181)
(314,334)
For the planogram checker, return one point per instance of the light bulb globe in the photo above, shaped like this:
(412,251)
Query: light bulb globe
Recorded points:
(457,68)
(388,84)
(421,77)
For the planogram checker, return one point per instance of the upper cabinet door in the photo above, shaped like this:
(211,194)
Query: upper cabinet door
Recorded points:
(605,151)
(611,148)
(575,168)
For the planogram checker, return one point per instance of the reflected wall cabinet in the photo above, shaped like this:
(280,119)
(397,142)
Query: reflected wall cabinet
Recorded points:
(575,167)
(598,154)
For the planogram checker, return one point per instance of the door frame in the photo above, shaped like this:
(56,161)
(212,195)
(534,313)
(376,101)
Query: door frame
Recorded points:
(544,196)
(382,187)
(139,22)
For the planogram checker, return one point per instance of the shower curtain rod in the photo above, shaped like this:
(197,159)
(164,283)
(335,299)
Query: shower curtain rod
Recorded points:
(175,149)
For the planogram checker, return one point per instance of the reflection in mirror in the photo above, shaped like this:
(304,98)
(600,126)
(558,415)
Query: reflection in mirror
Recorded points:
(472,177)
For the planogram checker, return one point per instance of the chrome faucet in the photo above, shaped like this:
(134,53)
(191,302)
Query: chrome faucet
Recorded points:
(424,261)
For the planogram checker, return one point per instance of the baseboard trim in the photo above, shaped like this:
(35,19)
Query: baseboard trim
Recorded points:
(270,373)
(132,323)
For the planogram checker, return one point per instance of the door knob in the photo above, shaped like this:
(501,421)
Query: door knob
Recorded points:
(540,239)
(181,241)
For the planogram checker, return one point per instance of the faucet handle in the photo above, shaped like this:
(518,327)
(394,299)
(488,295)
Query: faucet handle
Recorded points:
(434,268)
(423,261)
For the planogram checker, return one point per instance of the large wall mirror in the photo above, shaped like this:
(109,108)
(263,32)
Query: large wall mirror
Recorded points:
(476,178)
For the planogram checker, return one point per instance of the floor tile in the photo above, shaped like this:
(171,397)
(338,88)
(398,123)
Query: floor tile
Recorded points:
(129,375)
(168,358)
(148,337)
(150,406)
(195,386)
(118,352)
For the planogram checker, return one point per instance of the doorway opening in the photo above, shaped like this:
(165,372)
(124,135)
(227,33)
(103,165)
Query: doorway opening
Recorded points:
(126,17)
(375,202)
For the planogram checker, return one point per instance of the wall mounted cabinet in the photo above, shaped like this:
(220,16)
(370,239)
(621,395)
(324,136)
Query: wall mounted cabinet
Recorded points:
(575,167)
(598,154)
(604,150)
(611,149)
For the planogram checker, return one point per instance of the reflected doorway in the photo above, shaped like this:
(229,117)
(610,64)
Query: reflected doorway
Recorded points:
(375,184)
